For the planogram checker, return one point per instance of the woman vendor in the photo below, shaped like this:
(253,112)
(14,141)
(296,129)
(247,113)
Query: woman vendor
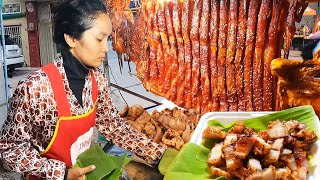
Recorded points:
(53,112)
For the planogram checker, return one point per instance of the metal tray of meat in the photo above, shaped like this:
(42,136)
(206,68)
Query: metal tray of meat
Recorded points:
(228,117)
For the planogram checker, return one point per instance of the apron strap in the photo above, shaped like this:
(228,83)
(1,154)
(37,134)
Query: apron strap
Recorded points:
(57,85)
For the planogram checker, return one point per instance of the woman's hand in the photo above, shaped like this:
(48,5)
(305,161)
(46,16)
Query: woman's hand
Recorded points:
(79,173)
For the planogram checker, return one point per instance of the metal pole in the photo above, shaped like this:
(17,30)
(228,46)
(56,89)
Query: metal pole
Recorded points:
(4,56)
(106,69)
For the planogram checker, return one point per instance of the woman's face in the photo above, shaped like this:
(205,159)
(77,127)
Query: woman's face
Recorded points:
(92,47)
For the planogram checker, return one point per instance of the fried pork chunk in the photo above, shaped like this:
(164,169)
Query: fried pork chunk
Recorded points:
(244,146)
(220,172)
(254,165)
(213,132)
(267,174)
(277,130)
(215,156)
(276,153)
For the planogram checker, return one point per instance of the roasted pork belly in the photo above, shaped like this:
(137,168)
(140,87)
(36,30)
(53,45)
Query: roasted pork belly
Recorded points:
(267,174)
(286,152)
(278,144)
(300,174)
(214,132)
(283,174)
(215,156)
(232,162)
(220,172)
(244,146)
(290,162)
(230,139)
(261,146)
(272,157)
(238,128)
(254,165)
(277,153)
(277,130)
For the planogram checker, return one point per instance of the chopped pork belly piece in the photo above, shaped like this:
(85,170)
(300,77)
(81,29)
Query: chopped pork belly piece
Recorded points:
(230,138)
(257,151)
(278,144)
(254,165)
(266,174)
(290,162)
(293,124)
(264,134)
(261,145)
(220,172)
(277,130)
(272,157)
(238,128)
(307,136)
(300,174)
(232,162)
(244,146)
(288,140)
(286,152)
(240,173)
(301,158)
(248,132)
(215,156)
(214,132)
(283,174)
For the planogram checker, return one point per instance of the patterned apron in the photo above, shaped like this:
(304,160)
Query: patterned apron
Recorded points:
(73,134)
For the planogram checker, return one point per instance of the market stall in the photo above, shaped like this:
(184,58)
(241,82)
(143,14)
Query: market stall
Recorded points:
(218,57)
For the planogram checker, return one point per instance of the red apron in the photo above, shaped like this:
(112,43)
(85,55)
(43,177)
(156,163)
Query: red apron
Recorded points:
(73,134)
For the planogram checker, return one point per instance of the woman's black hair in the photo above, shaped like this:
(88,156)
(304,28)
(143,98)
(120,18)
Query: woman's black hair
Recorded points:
(73,17)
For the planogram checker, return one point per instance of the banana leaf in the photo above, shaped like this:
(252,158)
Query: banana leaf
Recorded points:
(108,167)
(120,162)
(166,159)
(190,163)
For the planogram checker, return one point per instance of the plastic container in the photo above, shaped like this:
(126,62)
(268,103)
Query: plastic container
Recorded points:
(228,117)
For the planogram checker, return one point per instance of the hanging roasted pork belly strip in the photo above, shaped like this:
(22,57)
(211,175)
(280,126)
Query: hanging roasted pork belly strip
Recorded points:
(231,50)
(165,56)
(214,33)
(281,27)
(250,40)
(241,38)
(194,36)
(138,44)
(289,27)
(160,57)
(154,71)
(222,44)
(151,12)
(186,26)
(172,93)
(206,104)
(269,55)
(176,15)
(262,30)
(165,45)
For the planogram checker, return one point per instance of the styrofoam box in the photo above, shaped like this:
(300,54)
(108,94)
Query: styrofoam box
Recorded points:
(228,117)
